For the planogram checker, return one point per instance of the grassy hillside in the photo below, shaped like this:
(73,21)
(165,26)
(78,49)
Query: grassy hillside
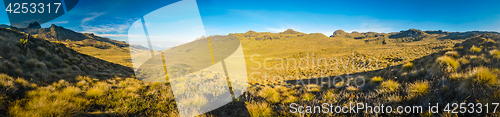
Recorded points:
(44,78)
(412,67)
(100,47)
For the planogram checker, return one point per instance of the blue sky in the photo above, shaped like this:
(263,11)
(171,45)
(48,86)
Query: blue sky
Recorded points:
(112,18)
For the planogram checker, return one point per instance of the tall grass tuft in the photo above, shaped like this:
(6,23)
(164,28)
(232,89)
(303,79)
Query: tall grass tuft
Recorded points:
(259,109)
(377,79)
(495,53)
(270,94)
(484,76)
(418,88)
(95,92)
(475,49)
(308,96)
(447,63)
(389,86)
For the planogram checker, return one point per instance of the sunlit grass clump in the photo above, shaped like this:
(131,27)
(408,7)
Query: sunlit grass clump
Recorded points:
(270,94)
(377,79)
(484,76)
(475,49)
(418,88)
(447,63)
(308,96)
(495,53)
(259,109)
(95,92)
(389,86)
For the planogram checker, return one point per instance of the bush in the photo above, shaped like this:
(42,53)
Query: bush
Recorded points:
(408,66)
(418,88)
(389,86)
(447,63)
(259,109)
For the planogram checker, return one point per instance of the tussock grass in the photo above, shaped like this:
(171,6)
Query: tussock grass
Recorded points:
(290,99)
(330,95)
(259,109)
(308,96)
(475,49)
(495,53)
(479,77)
(95,92)
(377,79)
(389,86)
(447,63)
(418,88)
(270,94)
(484,76)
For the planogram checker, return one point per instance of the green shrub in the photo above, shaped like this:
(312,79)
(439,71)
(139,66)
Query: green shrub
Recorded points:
(408,66)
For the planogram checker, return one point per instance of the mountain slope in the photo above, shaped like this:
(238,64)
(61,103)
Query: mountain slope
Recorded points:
(45,62)
(87,43)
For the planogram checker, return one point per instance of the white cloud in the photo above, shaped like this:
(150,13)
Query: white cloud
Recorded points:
(102,29)
(61,22)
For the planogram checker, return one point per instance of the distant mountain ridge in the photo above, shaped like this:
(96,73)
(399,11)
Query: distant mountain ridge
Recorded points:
(59,33)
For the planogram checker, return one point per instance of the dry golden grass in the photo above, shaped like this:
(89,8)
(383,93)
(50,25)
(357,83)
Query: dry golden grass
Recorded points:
(418,88)
(389,86)
(259,109)
(377,79)
(447,63)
